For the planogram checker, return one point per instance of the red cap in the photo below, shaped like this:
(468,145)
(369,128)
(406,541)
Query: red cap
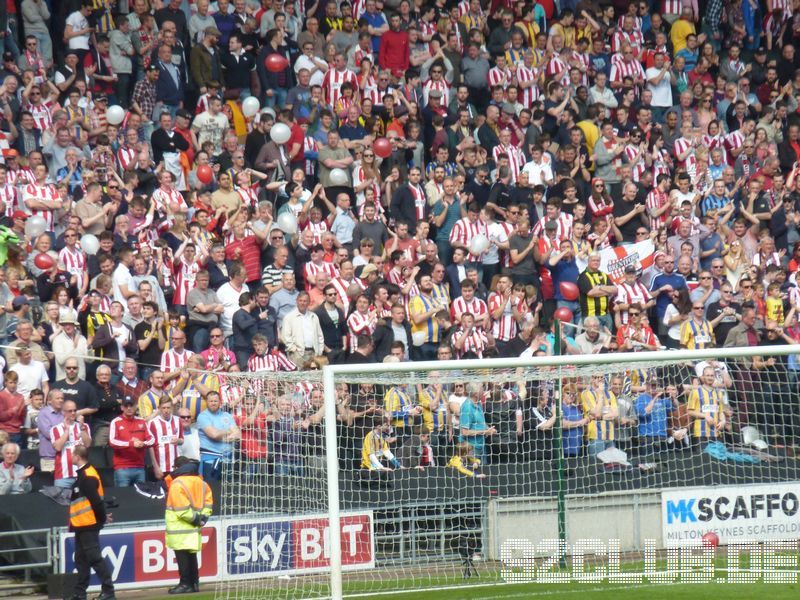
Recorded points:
(18,214)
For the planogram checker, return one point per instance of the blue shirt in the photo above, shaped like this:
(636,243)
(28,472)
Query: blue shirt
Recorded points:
(563,270)
(573,438)
(453,215)
(375,20)
(219,420)
(655,423)
(472,417)
(352,132)
(677,282)
(690,58)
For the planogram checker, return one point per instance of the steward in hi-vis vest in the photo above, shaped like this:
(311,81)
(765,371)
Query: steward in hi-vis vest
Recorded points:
(87,515)
(189,505)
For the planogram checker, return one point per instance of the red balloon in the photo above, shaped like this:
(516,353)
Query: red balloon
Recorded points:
(568,290)
(710,540)
(382,147)
(276,63)
(205,174)
(44,261)
(563,314)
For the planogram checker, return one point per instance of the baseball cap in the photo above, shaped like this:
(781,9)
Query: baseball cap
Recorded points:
(19,214)
(101,98)
(184,113)
(212,31)
(10,153)
(508,108)
(761,50)
(152,67)
(630,269)
(368,269)
(19,302)
(128,400)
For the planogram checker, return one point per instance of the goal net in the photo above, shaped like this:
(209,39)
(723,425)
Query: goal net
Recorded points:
(456,474)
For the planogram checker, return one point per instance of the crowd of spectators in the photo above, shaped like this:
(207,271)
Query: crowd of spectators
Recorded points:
(453,174)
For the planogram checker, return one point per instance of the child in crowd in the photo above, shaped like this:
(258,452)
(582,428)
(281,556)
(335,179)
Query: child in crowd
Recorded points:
(465,455)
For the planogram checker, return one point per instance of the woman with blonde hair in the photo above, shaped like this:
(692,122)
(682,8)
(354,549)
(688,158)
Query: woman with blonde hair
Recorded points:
(736,263)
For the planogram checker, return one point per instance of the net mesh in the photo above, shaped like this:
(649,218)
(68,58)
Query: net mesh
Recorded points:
(441,495)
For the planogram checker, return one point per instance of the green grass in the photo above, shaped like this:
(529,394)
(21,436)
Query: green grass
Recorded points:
(488,586)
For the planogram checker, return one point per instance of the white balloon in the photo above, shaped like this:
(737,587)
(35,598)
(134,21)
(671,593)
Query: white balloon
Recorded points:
(115,115)
(287,223)
(339,177)
(268,111)
(90,244)
(35,226)
(280,133)
(479,244)
(250,106)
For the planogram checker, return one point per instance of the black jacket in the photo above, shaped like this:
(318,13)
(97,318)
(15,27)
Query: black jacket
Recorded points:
(216,278)
(89,488)
(331,333)
(383,339)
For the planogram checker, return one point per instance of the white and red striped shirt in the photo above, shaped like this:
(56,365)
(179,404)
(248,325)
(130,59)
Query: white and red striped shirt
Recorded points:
(310,146)
(310,271)
(370,90)
(505,328)
(358,179)
(359,324)
(475,342)
(164,198)
(341,287)
(45,192)
(42,114)
(671,7)
(690,162)
(185,274)
(317,229)
(635,293)
(359,8)
(64,466)
(428,29)
(637,23)
(498,76)
(463,232)
(249,195)
(528,95)
(271,361)
(164,431)
(661,164)
(634,38)
(639,167)
(563,230)
(656,200)
(556,69)
(420,201)
(621,69)
(516,159)
(202,103)
(732,142)
(20,177)
(126,157)
(476,307)
(333,81)
(74,263)
(172,360)
(440,85)
(8,196)
(716,141)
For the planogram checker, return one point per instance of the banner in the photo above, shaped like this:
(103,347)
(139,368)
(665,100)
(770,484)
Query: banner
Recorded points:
(138,556)
(735,513)
(614,260)
(238,549)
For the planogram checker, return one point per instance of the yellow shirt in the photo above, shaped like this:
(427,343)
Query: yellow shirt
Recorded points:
(373,444)
(696,337)
(419,305)
(397,403)
(434,409)
(678,34)
(775,310)
(191,397)
(591,132)
(459,464)
(707,401)
(148,403)
(598,429)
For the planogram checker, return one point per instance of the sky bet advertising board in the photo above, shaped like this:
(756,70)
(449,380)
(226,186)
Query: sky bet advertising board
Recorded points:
(239,549)
(735,513)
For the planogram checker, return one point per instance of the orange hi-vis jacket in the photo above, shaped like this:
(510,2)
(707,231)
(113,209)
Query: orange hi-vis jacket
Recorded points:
(86,508)
(188,501)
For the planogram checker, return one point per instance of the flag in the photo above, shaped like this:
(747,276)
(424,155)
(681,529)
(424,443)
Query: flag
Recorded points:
(614,260)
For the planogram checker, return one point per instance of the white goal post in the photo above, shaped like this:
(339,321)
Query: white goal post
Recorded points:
(332,374)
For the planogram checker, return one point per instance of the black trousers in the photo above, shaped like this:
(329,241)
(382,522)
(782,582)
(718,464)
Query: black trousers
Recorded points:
(87,557)
(187,567)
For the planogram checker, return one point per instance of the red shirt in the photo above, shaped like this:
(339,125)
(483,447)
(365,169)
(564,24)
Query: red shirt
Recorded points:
(394,51)
(121,435)
(12,411)
(249,253)
(254,436)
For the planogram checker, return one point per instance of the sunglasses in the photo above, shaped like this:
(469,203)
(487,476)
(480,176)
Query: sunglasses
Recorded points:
(186,417)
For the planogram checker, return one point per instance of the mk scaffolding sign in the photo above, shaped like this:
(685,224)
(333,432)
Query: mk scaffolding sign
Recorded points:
(734,513)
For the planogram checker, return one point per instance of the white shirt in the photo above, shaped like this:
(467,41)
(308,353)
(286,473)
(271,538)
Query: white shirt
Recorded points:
(31,376)
(229,298)
(78,22)
(662,93)
(121,276)
(303,62)
(538,174)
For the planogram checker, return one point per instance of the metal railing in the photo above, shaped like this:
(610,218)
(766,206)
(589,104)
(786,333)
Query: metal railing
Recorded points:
(30,552)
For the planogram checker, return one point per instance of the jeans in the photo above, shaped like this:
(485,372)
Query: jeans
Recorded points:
(278,98)
(594,447)
(573,307)
(122,89)
(45,45)
(65,483)
(127,477)
(445,251)
(210,466)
